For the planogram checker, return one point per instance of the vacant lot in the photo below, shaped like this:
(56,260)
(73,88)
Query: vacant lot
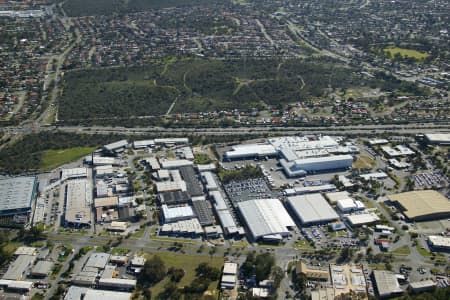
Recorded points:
(53,158)
(364,162)
(406,53)
(188,263)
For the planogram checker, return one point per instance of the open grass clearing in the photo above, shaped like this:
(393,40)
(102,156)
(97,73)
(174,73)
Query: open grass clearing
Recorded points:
(51,159)
(364,162)
(402,251)
(406,53)
(188,263)
(303,245)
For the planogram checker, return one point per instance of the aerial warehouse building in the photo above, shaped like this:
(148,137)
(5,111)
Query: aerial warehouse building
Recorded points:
(266,219)
(17,197)
(422,205)
(312,209)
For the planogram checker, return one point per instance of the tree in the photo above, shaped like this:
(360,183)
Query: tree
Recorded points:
(346,254)
(153,271)
(206,271)
(175,274)
(277,275)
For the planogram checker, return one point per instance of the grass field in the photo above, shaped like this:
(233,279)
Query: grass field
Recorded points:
(406,53)
(51,159)
(188,263)
(364,162)
(402,251)
(303,245)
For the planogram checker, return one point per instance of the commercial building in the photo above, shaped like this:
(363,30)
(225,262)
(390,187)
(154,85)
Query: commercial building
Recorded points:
(119,284)
(350,205)
(312,209)
(104,171)
(399,150)
(438,138)
(78,199)
(174,198)
(347,278)
(42,269)
(23,250)
(116,147)
(202,209)
(422,205)
(301,167)
(74,173)
(185,228)
(229,275)
(177,213)
(102,161)
(172,141)
(19,267)
(193,186)
(251,151)
(16,285)
(83,293)
(175,164)
(323,294)
(375,175)
(422,286)
(361,219)
(143,144)
(311,273)
(386,284)
(17,197)
(185,153)
(266,219)
(439,243)
(228,223)
(323,188)
(333,198)
(375,142)
(97,260)
(210,181)
(170,186)
(153,163)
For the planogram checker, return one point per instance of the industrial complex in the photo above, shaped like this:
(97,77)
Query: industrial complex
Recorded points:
(298,193)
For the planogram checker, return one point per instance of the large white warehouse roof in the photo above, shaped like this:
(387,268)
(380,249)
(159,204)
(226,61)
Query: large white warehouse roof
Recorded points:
(312,208)
(251,150)
(266,217)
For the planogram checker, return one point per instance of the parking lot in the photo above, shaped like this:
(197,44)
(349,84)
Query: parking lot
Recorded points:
(428,180)
(255,188)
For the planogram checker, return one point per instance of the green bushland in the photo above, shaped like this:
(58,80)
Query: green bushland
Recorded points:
(206,85)
(27,154)
(75,8)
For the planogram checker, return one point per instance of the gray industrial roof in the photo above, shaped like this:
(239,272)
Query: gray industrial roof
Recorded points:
(18,267)
(172,198)
(386,283)
(203,211)
(42,267)
(192,184)
(17,193)
(97,260)
(312,208)
(265,217)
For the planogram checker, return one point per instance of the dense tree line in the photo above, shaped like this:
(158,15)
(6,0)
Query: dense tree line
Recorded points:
(260,265)
(247,172)
(75,8)
(25,154)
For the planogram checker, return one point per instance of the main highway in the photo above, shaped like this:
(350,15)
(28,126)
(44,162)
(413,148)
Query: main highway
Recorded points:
(395,129)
